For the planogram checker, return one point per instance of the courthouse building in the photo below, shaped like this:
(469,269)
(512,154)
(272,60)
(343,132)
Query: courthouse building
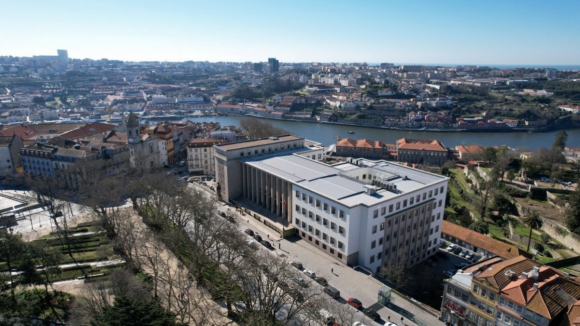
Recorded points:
(360,212)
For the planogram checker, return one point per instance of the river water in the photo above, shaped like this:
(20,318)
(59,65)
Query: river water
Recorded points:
(327,133)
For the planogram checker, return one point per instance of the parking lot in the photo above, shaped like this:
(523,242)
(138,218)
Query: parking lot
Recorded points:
(428,283)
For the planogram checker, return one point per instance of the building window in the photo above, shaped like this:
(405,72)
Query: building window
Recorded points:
(340,245)
(318,203)
(374,229)
(382,226)
(324,237)
(318,218)
(297,208)
(475,288)
(441,190)
(310,200)
(325,207)
(332,240)
(341,230)
(436,191)
(297,194)
(304,211)
(398,205)
(391,208)
(373,244)
(404,203)
(332,226)
(304,197)
(412,201)
(324,222)
(332,210)
(440,203)
(297,221)
(310,215)
(317,232)
(424,196)
(341,214)
(372,259)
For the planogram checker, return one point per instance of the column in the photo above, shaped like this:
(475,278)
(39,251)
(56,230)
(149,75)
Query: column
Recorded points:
(244,181)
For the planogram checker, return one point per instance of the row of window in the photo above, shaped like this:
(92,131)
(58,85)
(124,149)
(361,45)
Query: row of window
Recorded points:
(324,247)
(333,226)
(422,153)
(320,205)
(484,292)
(319,234)
(509,320)
(257,152)
(410,201)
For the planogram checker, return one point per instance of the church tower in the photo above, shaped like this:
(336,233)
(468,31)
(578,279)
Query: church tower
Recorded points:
(133,129)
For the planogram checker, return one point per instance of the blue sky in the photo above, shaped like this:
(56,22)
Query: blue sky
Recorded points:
(404,31)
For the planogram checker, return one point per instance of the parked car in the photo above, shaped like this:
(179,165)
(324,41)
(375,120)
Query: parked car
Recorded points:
(463,253)
(321,280)
(457,250)
(469,255)
(450,272)
(297,264)
(390,324)
(461,265)
(297,295)
(252,244)
(257,237)
(267,244)
(310,273)
(354,302)
(283,285)
(372,314)
(249,232)
(300,281)
(451,247)
(332,291)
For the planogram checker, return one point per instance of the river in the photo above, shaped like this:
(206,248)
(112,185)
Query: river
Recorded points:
(327,133)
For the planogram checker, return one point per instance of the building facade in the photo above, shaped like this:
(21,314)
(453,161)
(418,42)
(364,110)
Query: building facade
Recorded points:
(362,212)
(421,151)
(200,152)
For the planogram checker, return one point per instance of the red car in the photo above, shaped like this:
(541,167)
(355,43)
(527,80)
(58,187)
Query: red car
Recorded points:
(354,302)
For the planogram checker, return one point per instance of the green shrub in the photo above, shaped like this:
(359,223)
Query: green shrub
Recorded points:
(548,254)
(539,247)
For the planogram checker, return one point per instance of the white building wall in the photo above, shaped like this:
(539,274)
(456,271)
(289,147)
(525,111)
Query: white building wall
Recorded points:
(163,159)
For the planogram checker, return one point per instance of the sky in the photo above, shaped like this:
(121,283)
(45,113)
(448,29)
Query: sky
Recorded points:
(530,32)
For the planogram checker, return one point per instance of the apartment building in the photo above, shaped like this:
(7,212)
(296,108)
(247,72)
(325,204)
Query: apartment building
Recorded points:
(200,155)
(360,212)
(512,292)
(362,148)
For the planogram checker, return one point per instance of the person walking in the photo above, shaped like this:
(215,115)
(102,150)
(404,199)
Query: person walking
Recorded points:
(332,270)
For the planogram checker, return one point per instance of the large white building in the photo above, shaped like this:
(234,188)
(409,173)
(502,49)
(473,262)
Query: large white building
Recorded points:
(361,212)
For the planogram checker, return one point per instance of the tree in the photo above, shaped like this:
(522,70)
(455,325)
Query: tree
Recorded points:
(128,312)
(533,221)
(256,128)
(573,213)
(38,100)
(480,227)
(560,139)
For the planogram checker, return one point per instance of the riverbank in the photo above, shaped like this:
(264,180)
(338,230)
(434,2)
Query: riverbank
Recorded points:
(445,130)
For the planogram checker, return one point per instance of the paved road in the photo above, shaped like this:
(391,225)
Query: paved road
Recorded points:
(348,281)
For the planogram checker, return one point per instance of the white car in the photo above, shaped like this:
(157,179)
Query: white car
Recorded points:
(390,324)
(310,273)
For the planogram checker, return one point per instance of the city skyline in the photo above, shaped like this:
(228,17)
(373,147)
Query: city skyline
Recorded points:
(490,33)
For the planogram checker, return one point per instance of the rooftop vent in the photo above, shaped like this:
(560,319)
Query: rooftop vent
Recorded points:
(536,286)
(273,138)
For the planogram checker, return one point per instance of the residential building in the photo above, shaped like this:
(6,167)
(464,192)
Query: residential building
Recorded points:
(9,155)
(273,65)
(200,152)
(258,67)
(163,131)
(468,152)
(361,212)
(162,152)
(421,151)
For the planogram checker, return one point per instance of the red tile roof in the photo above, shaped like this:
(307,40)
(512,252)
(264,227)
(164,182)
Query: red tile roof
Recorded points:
(479,240)
(421,144)
(363,143)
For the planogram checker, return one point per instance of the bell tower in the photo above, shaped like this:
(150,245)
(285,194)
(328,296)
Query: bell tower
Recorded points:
(133,129)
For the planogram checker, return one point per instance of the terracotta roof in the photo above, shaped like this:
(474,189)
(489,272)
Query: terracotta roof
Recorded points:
(363,143)
(496,274)
(199,142)
(117,137)
(420,144)
(88,130)
(473,149)
(22,131)
(553,296)
(479,240)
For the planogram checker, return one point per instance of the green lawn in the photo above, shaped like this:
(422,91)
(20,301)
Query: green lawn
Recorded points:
(523,230)
(495,231)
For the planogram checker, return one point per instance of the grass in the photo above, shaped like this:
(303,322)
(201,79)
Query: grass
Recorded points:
(495,231)
(544,260)
(523,230)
